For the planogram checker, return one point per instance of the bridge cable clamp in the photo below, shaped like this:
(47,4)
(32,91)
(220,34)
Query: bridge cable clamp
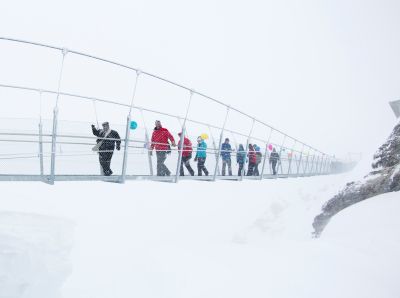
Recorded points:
(65,51)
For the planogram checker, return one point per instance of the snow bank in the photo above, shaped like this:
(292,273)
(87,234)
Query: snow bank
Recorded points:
(202,239)
(371,225)
(34,253)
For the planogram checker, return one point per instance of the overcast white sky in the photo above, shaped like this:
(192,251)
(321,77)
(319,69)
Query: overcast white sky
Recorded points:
(322,71)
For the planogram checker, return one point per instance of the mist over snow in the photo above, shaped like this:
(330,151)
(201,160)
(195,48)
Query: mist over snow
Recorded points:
(322,72)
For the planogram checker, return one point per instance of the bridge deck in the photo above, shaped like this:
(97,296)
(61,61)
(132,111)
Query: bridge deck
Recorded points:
(117,178)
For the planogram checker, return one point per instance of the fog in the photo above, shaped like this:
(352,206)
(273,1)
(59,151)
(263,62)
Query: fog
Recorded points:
(322,71)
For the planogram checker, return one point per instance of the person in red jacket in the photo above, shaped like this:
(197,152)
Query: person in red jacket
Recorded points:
(252,160)
(186,155)
(160,142)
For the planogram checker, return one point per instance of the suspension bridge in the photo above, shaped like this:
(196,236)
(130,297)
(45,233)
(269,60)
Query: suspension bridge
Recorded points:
(45,132)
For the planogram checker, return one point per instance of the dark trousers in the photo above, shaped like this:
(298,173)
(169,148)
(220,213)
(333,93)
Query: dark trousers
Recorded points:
(201,167)
(162,169)
(274,166)
(240,170)
(186,161)
(250,170)
(256,172)
(226,162)
(105,162)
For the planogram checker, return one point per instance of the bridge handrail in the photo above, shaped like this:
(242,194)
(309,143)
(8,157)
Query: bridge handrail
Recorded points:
(137,70)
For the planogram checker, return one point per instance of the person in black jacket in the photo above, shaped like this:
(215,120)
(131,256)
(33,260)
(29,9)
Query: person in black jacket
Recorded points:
(107,141)
(273,160)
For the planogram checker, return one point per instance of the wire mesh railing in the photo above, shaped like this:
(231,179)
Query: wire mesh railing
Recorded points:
(58,148)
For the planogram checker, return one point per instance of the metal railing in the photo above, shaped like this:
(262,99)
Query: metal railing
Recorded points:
(293,162)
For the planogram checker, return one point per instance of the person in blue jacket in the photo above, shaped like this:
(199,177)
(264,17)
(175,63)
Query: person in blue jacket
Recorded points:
(201,156)
(226,150)
(241,159)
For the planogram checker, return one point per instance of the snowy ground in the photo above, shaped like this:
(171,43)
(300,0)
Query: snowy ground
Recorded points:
(203,239)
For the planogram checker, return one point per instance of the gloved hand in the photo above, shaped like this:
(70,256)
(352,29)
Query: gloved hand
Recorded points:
(118,148)
(195,159)
(93,126)
(151,152)
(173,144)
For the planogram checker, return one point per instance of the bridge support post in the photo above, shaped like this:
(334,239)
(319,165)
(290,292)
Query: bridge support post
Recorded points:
(312,164)
(299,163)
(41,168)
(322,164)
(328,166)
(308,157)
(316,165)
(220,144)
(55,122)
(126,149)
(41,148)
(323,171)
(53,147)
(127,132)
(290,158)
(266,155)
(280,153)
(147,145)
(182,139)
(215,148)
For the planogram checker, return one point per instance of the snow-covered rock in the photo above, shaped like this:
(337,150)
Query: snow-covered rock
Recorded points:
(385,177)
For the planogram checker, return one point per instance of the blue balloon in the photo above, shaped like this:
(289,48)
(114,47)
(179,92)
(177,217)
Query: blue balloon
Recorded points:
(133,125)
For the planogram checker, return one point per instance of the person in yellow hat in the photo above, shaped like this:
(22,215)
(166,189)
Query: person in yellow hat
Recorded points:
(201,156)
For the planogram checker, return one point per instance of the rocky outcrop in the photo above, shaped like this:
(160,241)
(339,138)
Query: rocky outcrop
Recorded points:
(385,177)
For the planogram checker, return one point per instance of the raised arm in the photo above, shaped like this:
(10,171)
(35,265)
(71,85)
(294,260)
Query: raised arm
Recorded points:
(95,131)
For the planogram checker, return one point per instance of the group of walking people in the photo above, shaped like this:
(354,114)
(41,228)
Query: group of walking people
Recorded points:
(161,142)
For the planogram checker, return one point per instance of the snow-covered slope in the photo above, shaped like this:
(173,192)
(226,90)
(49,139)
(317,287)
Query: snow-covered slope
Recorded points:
(200,239)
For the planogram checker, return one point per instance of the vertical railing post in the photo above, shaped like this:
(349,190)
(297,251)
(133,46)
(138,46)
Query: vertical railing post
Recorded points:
(280,154)
(312,164)
(291,157)
(308,157)
(41,148)
(220,144)
(319,165)
(316,166)
(327,171)
(127,132)
(126,146)
(41,168)
(328,166)
(147,145)
(265,154)
(299,163)
(182,138)
(55,122)
(323,171)
(214,145)
(247,148)
(322,164)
